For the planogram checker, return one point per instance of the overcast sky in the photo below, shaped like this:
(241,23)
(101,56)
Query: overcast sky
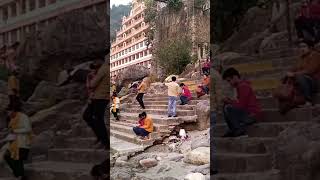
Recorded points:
(117,2)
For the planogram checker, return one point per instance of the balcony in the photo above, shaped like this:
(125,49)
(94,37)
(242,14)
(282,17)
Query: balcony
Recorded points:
(137,31)
(132,16)
(128,45)
(136,61)
(131,26)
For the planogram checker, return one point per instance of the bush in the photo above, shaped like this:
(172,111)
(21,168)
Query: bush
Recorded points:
(175,4)
(174,55)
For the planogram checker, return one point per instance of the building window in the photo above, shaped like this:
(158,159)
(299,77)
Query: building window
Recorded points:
(133,48)
(129,49)
(141,44)
(129,58)
(13,9)
(137,56)
(137,46)
(5,14)
(125,51)
(32,4)
(133,57)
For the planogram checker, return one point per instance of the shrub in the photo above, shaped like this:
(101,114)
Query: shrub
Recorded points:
(174,55)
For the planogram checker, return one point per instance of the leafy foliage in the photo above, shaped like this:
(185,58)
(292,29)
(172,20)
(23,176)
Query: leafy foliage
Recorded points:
(227,15)
(4,73)
(175,4)
(174,55)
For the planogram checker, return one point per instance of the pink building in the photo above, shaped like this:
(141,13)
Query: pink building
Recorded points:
(130,47)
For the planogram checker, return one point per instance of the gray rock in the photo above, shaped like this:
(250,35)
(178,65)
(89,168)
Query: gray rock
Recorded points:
(195,176)
(148,163)
(164,168)
(42,143)
(203,113)
(177,158)
(199,156)
(204,169)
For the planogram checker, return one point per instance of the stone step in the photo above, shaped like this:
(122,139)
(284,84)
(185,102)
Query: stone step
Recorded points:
(268,57)
(264,175)
(59,170)
(159,119)
(160,111)
(131,124)
(128,129)
(242,145)
(273,115)
(130,138)
(165,102)
(156,106)
(243,163)
(257,130)
(77,155)
(270,102)
(76,143)
(123,147)
(164,98)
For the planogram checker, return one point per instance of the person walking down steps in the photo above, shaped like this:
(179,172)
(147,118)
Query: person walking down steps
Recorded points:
(115,109)
(100,102)
(141,91)
(173,93)
(19,145)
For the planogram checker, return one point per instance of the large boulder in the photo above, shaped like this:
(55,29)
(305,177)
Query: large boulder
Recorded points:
(157,88)
(131,74)
(59,117)
(75,37)
(199,156)
(297,152)
(203,113)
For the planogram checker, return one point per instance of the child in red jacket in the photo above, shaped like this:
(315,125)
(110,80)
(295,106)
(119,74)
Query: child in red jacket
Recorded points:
(242,111)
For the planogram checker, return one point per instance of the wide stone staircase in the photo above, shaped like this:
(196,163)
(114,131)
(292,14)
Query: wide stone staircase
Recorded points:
(249,158)
(123,139)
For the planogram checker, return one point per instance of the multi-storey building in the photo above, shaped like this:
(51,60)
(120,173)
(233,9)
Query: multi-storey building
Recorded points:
(130,47)
(19,17)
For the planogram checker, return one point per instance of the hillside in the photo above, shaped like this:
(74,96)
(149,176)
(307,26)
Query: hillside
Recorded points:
(117,12)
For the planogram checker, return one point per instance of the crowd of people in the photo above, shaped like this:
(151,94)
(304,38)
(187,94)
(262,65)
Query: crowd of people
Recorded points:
(307,22)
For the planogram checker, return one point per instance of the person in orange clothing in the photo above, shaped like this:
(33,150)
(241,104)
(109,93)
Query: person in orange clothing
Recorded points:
(141,91)
(204,87)
(145,126)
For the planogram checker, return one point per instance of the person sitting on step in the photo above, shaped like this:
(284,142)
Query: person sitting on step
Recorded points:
(204,87)
(242,111)
(185,96)
(303,78)
(145,126)
(115,108)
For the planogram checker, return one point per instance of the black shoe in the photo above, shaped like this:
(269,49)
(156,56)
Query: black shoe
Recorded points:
(175,116)
(169,116)
(214,172)
(228,134)
(240,134)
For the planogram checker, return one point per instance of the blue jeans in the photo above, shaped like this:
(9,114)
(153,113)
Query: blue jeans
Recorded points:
(140,131)
(236,118)
(305,85)
(172,106)
(184,99)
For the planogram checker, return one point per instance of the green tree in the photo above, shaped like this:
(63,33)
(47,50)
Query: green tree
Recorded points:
(116,14)
(174,55)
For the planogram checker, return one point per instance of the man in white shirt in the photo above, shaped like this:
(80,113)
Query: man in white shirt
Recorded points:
(173,93)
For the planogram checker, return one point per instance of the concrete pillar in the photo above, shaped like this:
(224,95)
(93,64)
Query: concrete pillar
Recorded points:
(18,35)
(37,4)
(1,16)
(9,11)
(9,38)
(18,7)
(27,6)
(94,8)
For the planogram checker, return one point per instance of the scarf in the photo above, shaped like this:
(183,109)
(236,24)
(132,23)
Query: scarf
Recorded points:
(114,109)
(13,147)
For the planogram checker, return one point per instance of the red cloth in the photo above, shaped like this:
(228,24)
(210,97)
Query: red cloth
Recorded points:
(247,100)
(90,77)
(304,11)
(315,11)
(141,122)
(186,92)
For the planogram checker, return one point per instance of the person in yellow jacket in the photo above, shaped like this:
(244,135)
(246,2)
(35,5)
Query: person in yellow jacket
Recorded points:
(141,91)
(19,147)
(145,126)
